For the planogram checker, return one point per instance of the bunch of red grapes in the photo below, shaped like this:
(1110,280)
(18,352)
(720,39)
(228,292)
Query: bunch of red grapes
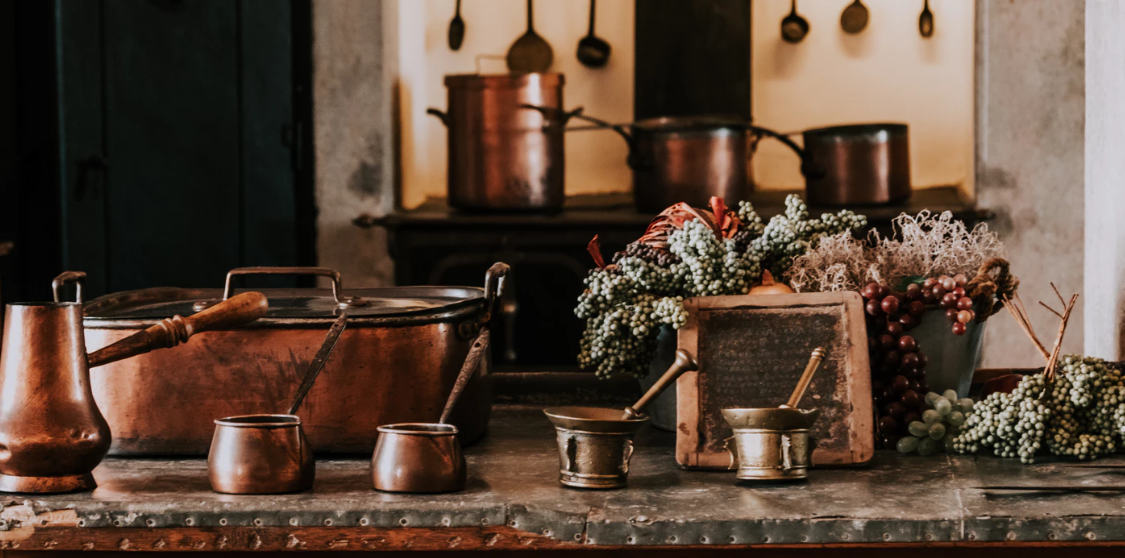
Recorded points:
(898,366)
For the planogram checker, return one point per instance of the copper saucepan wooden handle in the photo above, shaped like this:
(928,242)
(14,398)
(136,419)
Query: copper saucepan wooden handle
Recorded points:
(235,311)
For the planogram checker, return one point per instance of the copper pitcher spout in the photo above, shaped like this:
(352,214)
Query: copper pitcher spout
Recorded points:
(51,432)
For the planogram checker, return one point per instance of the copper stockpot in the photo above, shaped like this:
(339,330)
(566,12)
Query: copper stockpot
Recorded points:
(396,362)
(501,155)
(260,454)
(864,164)
(418,458)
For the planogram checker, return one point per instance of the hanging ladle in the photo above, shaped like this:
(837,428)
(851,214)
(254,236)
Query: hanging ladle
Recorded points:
(426,457)
(269,454)
(456,29)
(926,20)
(854,17)
(793,26)
(593,52)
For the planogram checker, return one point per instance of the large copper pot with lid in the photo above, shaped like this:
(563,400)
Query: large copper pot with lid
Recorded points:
(396,362)
(501,155)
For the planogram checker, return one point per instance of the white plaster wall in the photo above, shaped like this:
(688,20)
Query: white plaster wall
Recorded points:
(1030,160)
(353,135)
(888,72)
(1105,179)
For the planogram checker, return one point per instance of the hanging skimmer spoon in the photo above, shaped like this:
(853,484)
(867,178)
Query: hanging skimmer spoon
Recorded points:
(530,53)
(854,18)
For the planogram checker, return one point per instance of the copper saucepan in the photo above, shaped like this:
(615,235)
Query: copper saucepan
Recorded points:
(421,457)
(269,454)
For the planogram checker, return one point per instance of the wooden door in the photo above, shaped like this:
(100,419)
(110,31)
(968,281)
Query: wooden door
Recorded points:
(181,139)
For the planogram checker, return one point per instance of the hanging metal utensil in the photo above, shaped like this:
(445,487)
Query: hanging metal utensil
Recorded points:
(926,20)
(456,29)
(593,52)
(794,27)
(854,18)
(530,53)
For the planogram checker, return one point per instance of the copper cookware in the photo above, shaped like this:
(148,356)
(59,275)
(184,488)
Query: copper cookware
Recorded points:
(685,158)
(269,454)
(52,433)
(396,362)
(426,457)
(502,156)
(864,164)
(596,444)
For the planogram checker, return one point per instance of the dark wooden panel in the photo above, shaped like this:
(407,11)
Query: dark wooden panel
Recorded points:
(82,168)
(172,117)
(269,220)
(692,58)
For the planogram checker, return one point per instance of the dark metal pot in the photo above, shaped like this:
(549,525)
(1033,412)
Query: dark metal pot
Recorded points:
(864,164)
(686,158)
(403,349)
(501,156)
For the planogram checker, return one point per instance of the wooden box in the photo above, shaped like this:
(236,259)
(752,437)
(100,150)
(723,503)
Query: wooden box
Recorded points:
(752,350)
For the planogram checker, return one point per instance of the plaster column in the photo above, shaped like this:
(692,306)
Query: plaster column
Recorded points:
(1104,290)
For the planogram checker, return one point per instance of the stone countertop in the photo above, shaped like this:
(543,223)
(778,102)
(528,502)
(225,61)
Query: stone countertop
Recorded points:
(513,484)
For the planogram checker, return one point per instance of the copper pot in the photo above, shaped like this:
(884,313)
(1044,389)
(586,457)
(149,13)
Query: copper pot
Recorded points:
(503,156)
(52,433)
(418,458)
(686,158)
(864,164)
(402,350)
(260,454)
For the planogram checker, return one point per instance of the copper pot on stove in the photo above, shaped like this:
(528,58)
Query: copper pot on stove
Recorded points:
(686,158)
(864,164)
(503,157)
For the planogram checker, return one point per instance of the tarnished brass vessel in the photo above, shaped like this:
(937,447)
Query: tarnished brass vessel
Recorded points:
(772,444)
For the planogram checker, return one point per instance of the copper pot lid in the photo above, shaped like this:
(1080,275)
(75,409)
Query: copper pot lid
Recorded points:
(378,306)
(502,81)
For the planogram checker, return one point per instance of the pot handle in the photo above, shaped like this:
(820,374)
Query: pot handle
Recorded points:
(342,302)
(440,114)
(66,278)
(170,332)
(494,280)
(809,168)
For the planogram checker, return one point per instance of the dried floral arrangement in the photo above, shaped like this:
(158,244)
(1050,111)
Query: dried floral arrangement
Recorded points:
(687,252)
(929,263)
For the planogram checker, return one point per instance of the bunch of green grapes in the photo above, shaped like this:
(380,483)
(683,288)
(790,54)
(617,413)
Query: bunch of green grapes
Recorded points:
(940,424)
(1081,414)
(625,304)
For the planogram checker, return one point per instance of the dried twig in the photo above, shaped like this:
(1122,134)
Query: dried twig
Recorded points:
(1019,312)
(1052,364)
(1053,311)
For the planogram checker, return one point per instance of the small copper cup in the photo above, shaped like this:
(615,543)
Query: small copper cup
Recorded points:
(260,454)
(418,457)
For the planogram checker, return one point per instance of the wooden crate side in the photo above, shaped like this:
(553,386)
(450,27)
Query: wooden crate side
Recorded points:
(832,319)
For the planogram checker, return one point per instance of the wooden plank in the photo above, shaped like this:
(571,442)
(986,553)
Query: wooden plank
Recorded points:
(692,58)
(752,350)
(171,86)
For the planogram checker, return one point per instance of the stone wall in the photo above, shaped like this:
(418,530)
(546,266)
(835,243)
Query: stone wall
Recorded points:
(353,107)
(1030,159)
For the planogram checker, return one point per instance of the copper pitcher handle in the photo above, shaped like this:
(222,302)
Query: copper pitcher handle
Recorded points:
(66,278)
(342,301)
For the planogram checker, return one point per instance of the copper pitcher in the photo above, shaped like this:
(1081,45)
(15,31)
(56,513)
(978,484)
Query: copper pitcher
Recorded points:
(52,434)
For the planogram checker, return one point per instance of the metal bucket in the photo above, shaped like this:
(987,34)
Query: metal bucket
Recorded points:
(595,445)
(772,444)
(952,358)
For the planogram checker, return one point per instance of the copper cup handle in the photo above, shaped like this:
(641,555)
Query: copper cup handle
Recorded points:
(66,278)
(342,302)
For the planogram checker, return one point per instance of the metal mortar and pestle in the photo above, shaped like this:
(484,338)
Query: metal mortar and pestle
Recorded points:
(269,454)
(596,444)
(774,443)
